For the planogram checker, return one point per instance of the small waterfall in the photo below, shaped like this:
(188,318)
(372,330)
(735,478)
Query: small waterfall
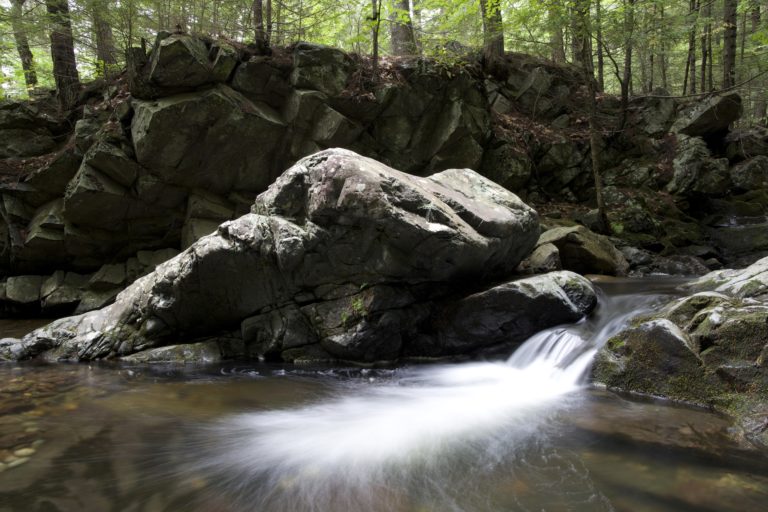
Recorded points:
(396,433)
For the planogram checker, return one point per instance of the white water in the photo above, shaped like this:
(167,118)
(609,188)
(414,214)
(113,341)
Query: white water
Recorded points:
(343,453)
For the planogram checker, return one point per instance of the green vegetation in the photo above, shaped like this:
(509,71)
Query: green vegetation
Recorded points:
(635,46)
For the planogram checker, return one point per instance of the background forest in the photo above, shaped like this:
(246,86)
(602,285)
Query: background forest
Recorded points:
(636,46)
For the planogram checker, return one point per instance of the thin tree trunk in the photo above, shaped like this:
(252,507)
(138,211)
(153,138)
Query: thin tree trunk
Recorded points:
(626,82)
(583,33)
(22,43)
(493,30)
(260,36)
(401,28)
(417,24)
(760,112)
(663,55)
(269,21)
(729,43)
(375,26)
(63,53)
(690,64)
(600,58)
(705,34)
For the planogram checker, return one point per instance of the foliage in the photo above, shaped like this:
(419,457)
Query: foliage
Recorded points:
(447,30)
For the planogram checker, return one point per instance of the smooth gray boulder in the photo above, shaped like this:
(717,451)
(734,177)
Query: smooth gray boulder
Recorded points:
(334,224)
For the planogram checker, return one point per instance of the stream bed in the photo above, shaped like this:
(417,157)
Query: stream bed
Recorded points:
(525,434)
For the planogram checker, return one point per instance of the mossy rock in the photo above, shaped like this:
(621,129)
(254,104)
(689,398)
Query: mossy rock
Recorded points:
(656,358)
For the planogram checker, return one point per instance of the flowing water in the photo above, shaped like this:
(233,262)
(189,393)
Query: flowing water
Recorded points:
(523,434)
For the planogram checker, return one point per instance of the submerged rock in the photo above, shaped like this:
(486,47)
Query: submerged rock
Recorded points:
(326,245)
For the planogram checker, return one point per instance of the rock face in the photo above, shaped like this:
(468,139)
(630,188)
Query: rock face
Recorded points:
(201,118)
(342,258)
(710,348)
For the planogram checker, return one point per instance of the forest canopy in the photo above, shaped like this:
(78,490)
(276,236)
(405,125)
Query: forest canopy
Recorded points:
(636,46)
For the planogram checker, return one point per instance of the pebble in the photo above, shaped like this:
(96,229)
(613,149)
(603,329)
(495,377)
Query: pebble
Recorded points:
(24,452)
(2,467)
(18,462)
(37,443)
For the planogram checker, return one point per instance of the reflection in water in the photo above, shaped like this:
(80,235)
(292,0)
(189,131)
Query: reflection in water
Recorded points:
(523,434)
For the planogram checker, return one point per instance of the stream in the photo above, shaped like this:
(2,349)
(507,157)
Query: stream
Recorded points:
(527,434)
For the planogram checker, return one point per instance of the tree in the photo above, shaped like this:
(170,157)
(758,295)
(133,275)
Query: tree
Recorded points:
(493,30)
(63,53)
(626,82)
(556,39)
(22,43)
(690,63)
(729,43)
(401,28)
(106,53)
(260,35)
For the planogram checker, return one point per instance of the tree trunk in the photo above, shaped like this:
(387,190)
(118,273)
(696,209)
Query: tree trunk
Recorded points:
(106,53)
(556,40)
(417,25)
(626,82)
(580,33)
(269,21)
(600,59)
(705,34)
(22,43)
(493,30)
(729,43)
(375,26)
(663,55)
(760,112)
(63,53)
(260,35)
(583,33)
(690,63)
(401,28)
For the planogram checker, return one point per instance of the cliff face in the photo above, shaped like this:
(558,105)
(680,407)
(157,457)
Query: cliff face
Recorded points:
(197,128)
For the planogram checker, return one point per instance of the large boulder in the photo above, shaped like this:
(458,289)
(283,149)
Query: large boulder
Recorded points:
(712,116)
(334,224)
(216,140)
(511,312)
(696,171)
(183,62)
(751,174)
(585,252)
(320,68)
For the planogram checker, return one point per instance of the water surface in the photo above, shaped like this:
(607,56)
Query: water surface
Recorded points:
(523,434)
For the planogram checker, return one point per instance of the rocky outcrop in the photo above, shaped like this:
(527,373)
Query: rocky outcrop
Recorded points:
(342,258)
(709,348)
(205,118)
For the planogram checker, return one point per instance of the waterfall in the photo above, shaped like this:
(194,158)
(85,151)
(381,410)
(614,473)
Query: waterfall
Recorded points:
(394,433)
